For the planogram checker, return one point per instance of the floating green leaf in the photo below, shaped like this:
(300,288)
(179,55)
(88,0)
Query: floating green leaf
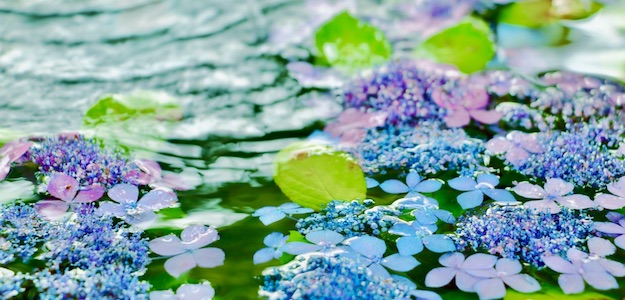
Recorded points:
(312,175)
(348,42)
(537,13)
(467,45)
(554,294)
(116,108)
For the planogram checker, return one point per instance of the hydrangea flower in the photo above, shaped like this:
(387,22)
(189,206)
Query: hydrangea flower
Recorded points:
(522,233)
(464,105)
(351,125)
(413,186)
(10,153)
(617,228)
(65,188)
(10,283)
(415,235)
(370,252)
(556,191)
(137,213)
(455,265)
(474,191)
(272,214)
(322,241)
(615,201)
(506,272)
(274,242)
(188,252)
(202,291)
(84,160)
(517,146)
(319,276)
(153,176)
(350,219)
(579,268)
(521,116)
(424,209)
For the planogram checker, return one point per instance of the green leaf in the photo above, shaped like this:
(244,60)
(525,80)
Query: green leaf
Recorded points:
(537,13)
(554,294)
(350,43)
(467,45)
(116,108)
(312,175)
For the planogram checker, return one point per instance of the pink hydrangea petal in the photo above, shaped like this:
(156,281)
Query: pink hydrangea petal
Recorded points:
(530,191)
(439,277)
(89,194)
(209,257)
(558,187)
(179,264)
(158,199)
(490,288)
(486,116)
(610,201)
(63,186)
(52,209)
(458,118)
(498,145)
(14,149)
(124,193)
(167,245)
(198,236)
(576,201)
(530,143)
(174,181)
(517,156)
(5,167)
(475,98)
(571,283)
(149,167)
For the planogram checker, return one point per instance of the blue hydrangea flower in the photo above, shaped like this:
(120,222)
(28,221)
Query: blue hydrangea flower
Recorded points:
(322,241)
(415,235)
(318,276)
(10,283)
(455,265)
(518,232)
(474,191)
(84,160)
(425,210)
(274,242)
(272,214)
(370,252)
(414,186)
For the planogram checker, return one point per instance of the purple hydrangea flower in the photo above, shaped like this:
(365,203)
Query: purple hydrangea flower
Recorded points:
(153,176)
(506,273)
(455,265)
(188,252)
(556,191)
(615,201)
(351,125)
(10,153)
(65,188)
(517,146)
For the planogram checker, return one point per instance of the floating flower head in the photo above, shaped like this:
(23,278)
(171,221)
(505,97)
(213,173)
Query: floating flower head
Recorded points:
(522,233)
(555,193)
(65,188)
(138,213)
(465,103)
(188,252)
(84,160)
(319,276)
(474,191)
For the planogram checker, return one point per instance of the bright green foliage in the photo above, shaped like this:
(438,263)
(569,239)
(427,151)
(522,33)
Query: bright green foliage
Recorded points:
(313,175)
(115,108)
(536,13)
(351,44)
(467,45)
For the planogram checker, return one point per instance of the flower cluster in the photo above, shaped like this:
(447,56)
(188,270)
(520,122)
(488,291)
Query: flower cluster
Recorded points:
(85,160)
(23,230)
(328,277)
(426,149)
(523,233)
(350,218)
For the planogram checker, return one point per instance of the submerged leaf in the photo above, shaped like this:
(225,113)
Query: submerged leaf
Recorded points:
(115,108)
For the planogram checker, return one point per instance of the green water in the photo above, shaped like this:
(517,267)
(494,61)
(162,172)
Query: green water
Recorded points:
(58,57)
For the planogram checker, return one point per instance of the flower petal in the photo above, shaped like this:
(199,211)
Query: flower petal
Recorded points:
(498,145)
(517,156)
(379,271)
(617,188)
(462,184)
(409,245)
(114,209)
(470,199)
(445,216)
(52,209)
(458,118)
(413,179)
(576,201)
(490,179)
(451,260)
(274,239)
(264,211)
(124,193)
(141,220)
(149,167)
(486,116)
(620,241)
(326,237)
(89,194)
(273,217)
(401,228)
(615,268)
(600,280)
(479,261)
(263,255)
(209,257)
(162,295)
(63,187)
(198,236)
(439,243)
(530,191)
(429,186)
(179,264)
(371,183)
(400,263)
(490,288)
(425,216)
(394,186)
(158,199)
(571,283)
(610,228)
(600,247)
(499,195)
(368,246)
(202,291)
(466,282)
(543,206)
(297,248)
(610,201)
(167,245)
(508,266)
(522,283)
(558,187)
(559,264)
(439,277)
